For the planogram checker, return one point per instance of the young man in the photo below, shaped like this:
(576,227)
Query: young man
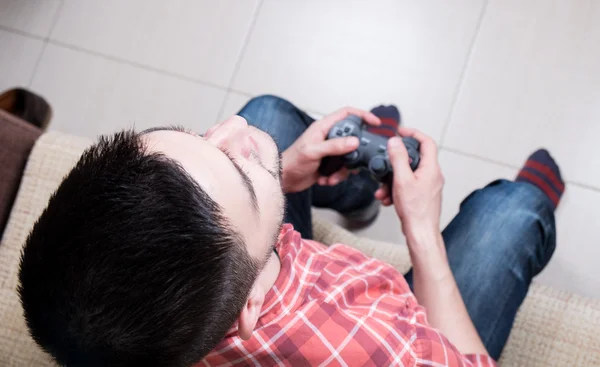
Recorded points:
(167,248)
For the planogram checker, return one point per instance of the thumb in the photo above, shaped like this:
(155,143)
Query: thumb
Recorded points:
(399,160)
(337,146)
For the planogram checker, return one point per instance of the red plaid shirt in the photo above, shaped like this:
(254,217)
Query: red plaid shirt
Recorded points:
(335,306)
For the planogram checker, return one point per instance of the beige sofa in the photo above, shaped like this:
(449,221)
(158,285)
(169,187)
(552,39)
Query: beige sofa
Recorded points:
(553,328)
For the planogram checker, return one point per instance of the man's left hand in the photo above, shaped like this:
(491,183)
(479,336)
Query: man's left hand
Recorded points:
(301,160)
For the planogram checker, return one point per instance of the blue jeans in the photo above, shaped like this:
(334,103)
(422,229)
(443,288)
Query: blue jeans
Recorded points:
(502,237)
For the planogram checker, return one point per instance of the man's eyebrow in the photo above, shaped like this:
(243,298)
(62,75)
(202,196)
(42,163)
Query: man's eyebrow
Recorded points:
(246,181)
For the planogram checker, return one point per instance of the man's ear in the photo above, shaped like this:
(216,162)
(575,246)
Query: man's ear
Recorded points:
(251,312)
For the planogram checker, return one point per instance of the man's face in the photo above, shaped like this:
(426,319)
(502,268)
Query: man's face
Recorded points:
(239,167)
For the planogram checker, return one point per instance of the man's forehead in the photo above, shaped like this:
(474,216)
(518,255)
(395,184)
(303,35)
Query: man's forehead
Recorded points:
(208,165)
(193,153)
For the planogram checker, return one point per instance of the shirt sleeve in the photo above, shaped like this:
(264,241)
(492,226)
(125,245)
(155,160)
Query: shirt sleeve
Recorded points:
(431,347)
(377,339)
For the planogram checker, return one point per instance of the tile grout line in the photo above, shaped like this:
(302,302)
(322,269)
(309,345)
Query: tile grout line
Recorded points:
(22,33)
(49,40)
(37,64)
(245,44)
(240,92)
(461,80)
(478,157)
(46,39)
(55,20)
(249,95)
(135,64)
(507,165)
(583,185)
(240,57)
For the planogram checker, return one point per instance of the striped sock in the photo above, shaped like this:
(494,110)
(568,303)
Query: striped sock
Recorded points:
(541,170)
(390,119)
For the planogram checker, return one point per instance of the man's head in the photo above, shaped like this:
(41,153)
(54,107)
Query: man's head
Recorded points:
(150,249)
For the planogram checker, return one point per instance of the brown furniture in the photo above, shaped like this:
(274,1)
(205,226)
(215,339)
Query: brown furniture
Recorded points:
(16,140)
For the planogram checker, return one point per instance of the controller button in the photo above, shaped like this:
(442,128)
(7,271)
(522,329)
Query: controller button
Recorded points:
(339,133)
(347,129)
(381,149)
(378,166)
(364,141)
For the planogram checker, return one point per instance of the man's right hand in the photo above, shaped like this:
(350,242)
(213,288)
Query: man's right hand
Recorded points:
(417,196)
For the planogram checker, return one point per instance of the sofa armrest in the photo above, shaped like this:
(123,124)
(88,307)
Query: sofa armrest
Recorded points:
(16,141)
(51,158)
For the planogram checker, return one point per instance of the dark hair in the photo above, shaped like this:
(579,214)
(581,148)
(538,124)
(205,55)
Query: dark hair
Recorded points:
(132,263)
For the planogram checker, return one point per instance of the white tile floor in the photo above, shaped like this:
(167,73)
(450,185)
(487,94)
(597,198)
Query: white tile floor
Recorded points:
(490,80)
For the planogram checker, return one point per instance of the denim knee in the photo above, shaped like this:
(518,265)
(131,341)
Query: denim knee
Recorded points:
(266,104)
(277,117)
(512,200)
(521,218)
(265,98)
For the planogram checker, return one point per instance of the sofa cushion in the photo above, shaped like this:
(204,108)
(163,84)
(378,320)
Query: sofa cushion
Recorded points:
(553,327)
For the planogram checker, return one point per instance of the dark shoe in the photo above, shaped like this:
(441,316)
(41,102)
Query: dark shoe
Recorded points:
(26,106)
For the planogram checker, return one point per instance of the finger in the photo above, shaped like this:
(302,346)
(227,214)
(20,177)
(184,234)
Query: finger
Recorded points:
(338,177)
(334,147)
(382,192)
(368,117)
(327,122)
(399,160)
(332,181)
(386,189)
(427,146)
(322,181)
(384,198)
(387,202)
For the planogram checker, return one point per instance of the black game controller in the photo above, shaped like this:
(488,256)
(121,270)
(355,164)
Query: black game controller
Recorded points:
(371,154)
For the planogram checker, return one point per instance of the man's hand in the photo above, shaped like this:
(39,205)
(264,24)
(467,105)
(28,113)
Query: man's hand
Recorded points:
(417,196)
(301,160)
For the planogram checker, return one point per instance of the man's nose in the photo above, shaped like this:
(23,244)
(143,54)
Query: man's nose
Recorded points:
(236,129)
(238,122)
(228,132)
(228,126)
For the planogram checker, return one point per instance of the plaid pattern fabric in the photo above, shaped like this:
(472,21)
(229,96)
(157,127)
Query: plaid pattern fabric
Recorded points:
(335,306)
